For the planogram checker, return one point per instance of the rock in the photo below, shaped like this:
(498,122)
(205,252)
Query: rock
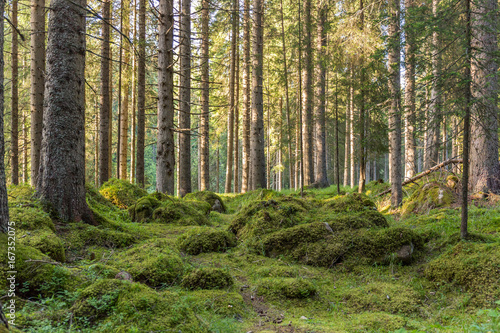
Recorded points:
(304,318)
(404,254)
(124,276)
(217,207)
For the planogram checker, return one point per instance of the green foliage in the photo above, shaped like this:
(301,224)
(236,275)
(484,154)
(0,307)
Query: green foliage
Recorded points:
(287,288)
(206,239)
(207,278)
(121,193)
(206,196)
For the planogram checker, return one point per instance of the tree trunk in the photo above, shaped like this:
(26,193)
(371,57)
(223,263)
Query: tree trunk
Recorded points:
(485,175)
(337,151)
(165,156)
(61,182)
(185,100)
(205,96)
(37,83)
(124,110)
(236,147)
(307,98)
(257,123)
(410,116)
(105,107)
(4,208)
(14,138)
(395,112)
(319,117)
(133,135)
(352,168)
(347,146)
(141,96)
(245,171)
(362,144)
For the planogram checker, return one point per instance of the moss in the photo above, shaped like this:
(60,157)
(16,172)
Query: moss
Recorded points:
(179,212)
(472,265)
(95,198)
(31,218)
(206,196)
(262,217)
(98,299)
(99,270)
(286,287)
(377,322)
(430,196)
(153,263)
(351,202)
(44,240)
(220,302)
(19,195)
(383,297)
(207,278)
(375,187)
(277,271)
(143,209)
(205,239)
(77,236)
(121,192)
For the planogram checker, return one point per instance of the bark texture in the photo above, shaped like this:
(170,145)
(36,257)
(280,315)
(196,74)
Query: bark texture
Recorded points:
(105,108)
(245,170)
(14,138)
(61,181)
(410,116)
(141,96)
(4,208)
(307,98)
(205,99)
(127,73)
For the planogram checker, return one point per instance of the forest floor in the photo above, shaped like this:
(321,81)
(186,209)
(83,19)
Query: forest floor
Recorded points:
(267,262)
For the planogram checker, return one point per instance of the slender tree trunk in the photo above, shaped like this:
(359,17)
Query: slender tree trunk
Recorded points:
(165,159)
(245,171)
(14,138)
(185,100)
(351,131)
(236,154)
(4,208)
(362,144)
(133,138)
(110,131)
(347,149)
(337,151)
(307,98)
(395,112)
(61,183)
(141,96)
(217,171)
(37,83)
(105,107)
(123,151)
(410,118)
(25,150)
(257,123)
(205,96)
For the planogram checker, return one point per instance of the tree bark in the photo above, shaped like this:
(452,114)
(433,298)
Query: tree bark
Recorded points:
(105,107)
(14,138)
(352,149)
(61,182)
(257,123)
(236,147)
(165,156)
(395,112)
(410,116)
(347,146)
(362,144)
(133,126)
(205,96)
(124,110)
(307,98)
(245,171)
(185,100)
(4,208)
(485,169)
(37,83)
(141,96)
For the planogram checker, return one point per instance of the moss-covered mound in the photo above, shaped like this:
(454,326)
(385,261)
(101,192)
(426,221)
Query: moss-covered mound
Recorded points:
(182,212)
(262,217)
(475,266)
(207,278)
(377,322)
(31,218)
(94,197)
(286,287)
(143,209)
(208,197)
(78,236)
(383,297)
(429,196)
(153,263)
(206,239)
(121,192)
(140,308)
(351,202)
(219,302)
(375,187)
(20,195)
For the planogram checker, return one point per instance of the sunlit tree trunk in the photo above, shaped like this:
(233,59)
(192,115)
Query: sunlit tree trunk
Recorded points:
(124,110)
(245,171)
(205,93)
(410,116)
(307,97)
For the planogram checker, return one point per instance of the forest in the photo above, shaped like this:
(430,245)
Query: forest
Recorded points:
(249,166)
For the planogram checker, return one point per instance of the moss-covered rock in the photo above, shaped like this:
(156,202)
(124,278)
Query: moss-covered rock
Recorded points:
(207,278)
(153,263)
(351,202)
(208,197)
(429,196)
(44,240)
(181,212)
(121,192)
(98,299)
(262,217)
(382,297)
(100,271)
(143,209)
(31,218)
(475,266)
(206,239)
(286,287)
(94,197)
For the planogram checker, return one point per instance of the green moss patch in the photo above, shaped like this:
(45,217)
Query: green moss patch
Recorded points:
(286,287)
(20,195)
(351,202)
(219,302)
(475,266)
(44,240)
(377,322)
(78,236)
(207,278)
(183,213)
(429,196)
(143,209)
(153,263)
(208,197)
(121,193)
(31,218)
(206,239)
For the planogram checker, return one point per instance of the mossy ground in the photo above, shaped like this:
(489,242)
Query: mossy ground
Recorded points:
(322,263)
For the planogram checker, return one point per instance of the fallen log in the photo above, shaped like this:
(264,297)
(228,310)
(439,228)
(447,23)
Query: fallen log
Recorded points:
(425,173)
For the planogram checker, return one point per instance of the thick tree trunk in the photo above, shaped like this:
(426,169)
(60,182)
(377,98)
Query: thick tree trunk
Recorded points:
(395,112)
(4,208)
(410,116)
(141,96)
(61,182)
(124,110)
(307,97)
(245,170)
(105,107)
(14,128)
(37,83)
(257,123)
(185,100)
(165,156)
(319,117)
(205,96)
(485,169)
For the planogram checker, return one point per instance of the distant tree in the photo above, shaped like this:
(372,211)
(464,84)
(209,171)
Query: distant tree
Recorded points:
(14,103)
(4,208)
